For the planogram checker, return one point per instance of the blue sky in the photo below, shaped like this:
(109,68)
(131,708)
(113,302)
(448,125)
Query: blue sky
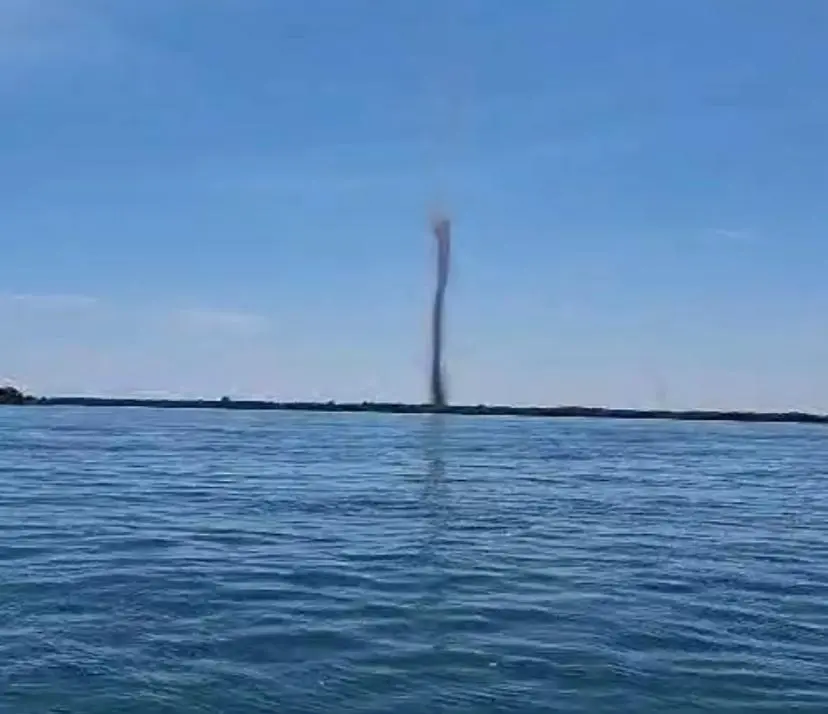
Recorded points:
(208,197)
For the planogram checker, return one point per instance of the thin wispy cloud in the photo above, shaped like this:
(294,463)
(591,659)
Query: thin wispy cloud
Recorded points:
(586,147)
(205,320)
(217,320)
(49,302)
(736,235)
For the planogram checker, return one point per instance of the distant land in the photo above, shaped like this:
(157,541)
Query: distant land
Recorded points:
(9,395)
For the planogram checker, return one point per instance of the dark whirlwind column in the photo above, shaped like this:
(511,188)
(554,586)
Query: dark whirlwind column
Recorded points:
(442,232)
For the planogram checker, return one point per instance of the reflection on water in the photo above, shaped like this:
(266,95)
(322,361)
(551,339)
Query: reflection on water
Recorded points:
(435,504)
(435,486)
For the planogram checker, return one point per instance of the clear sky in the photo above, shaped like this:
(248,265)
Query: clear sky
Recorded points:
(208,197)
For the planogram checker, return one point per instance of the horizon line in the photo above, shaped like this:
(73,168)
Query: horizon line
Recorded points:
(560,411)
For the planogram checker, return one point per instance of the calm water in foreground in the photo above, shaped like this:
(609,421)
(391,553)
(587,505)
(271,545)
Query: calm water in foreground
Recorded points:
(198,561)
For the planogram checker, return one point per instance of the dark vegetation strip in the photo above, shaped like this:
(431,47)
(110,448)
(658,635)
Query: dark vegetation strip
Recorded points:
(479,410)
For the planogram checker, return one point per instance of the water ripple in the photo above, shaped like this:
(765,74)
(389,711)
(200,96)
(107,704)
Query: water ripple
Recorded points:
(197,561)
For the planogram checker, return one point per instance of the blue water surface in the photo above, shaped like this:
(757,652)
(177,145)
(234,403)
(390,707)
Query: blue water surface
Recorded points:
(212,561)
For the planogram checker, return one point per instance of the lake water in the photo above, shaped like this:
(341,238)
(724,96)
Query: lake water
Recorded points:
(209,561)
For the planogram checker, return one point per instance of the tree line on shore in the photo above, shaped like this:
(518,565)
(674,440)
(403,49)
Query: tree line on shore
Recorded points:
(10,395)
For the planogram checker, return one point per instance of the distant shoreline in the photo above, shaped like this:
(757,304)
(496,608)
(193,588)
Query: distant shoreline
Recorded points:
(470,410)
